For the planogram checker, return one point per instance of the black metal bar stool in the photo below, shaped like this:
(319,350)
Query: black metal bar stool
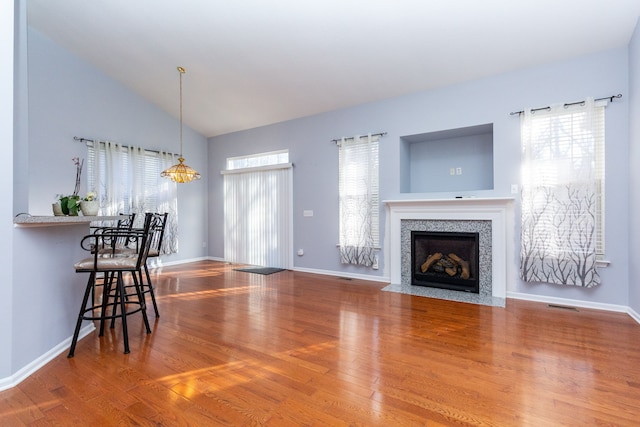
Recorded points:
(113,263)
(157,227)
(156,222)
(110,244)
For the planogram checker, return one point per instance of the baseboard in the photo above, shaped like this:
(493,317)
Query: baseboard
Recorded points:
(342,274)
(159,263)
(382,279)
(634,315)
(22,374)
(575,303)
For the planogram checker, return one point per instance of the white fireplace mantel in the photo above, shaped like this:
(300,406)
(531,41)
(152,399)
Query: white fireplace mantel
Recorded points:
(498,210)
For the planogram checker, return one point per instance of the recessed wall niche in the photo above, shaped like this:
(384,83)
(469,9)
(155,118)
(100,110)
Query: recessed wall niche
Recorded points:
(449,160)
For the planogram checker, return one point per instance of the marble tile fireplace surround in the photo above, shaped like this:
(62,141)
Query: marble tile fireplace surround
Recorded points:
(491,218)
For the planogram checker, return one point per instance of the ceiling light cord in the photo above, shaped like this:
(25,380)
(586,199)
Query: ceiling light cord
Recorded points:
(182,71)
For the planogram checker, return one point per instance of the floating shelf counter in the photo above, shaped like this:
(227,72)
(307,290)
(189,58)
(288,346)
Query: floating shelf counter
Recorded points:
(51,221)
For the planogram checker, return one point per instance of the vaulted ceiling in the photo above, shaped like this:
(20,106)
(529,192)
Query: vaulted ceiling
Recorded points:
(254,62)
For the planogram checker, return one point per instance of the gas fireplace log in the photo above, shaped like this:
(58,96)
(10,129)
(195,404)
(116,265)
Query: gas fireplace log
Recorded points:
(454,257)
(437,267)
(451,271)
(447,262)
(464,264)
(461,270)
(451,263)
(431,259)
(465,270)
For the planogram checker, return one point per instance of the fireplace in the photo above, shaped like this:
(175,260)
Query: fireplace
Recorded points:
(446,260)
(492,218)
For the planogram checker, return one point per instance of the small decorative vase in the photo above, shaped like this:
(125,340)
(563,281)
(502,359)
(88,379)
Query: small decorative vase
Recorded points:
(89,208)
(57,209)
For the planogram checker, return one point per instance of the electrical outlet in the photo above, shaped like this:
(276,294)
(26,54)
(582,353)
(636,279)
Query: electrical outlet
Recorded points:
(514,188)
(375,263)
(458,171)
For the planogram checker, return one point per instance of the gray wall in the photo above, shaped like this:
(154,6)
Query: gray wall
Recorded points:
(488,100)
(6,184)
(68,97)
(634,162)
(58,96)
(430,164)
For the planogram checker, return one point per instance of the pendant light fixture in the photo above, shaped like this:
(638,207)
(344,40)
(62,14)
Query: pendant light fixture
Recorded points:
(180,172)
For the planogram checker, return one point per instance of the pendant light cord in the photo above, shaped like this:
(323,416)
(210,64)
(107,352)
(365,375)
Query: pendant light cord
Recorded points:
(181,71)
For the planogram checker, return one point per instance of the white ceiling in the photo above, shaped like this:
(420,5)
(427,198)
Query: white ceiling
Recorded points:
(255,62)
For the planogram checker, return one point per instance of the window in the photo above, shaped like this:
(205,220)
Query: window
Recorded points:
(127,180)
(359,199)
(563,194)
(258,160)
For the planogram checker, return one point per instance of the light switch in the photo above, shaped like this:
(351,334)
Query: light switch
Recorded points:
(307,213)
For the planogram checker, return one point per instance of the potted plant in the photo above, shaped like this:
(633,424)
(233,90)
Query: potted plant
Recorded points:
(70,204)
(89,205)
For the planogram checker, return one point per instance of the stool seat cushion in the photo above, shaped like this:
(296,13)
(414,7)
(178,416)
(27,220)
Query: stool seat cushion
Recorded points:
(110,263)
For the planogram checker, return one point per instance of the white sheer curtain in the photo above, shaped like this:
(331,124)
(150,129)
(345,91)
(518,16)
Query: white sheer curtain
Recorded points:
(167,201)
(563,172)
(127,180)
(359,199)
(257,216)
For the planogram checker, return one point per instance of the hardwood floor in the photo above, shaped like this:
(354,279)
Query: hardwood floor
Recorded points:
(234,348)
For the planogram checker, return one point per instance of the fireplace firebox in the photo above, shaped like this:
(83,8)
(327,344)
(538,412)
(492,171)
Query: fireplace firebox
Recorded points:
(447,260)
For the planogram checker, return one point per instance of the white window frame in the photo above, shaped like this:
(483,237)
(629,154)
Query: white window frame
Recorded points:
(269,158)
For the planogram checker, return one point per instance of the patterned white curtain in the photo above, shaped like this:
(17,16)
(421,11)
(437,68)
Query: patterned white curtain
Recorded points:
(562,154)
(167,201)
(127,180)
(359,200)
(109,178)
(257,216)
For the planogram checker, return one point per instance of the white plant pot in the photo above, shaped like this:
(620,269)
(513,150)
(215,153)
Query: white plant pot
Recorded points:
(89,208)
(57,209)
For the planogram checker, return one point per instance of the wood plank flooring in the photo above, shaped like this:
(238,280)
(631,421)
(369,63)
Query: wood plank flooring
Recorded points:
(297,349)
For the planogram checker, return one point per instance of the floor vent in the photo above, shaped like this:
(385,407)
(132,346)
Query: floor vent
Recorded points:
(345,278)
(564,307)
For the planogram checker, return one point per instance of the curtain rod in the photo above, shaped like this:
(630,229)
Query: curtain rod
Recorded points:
(123,146)
(610,98)
(351,137)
